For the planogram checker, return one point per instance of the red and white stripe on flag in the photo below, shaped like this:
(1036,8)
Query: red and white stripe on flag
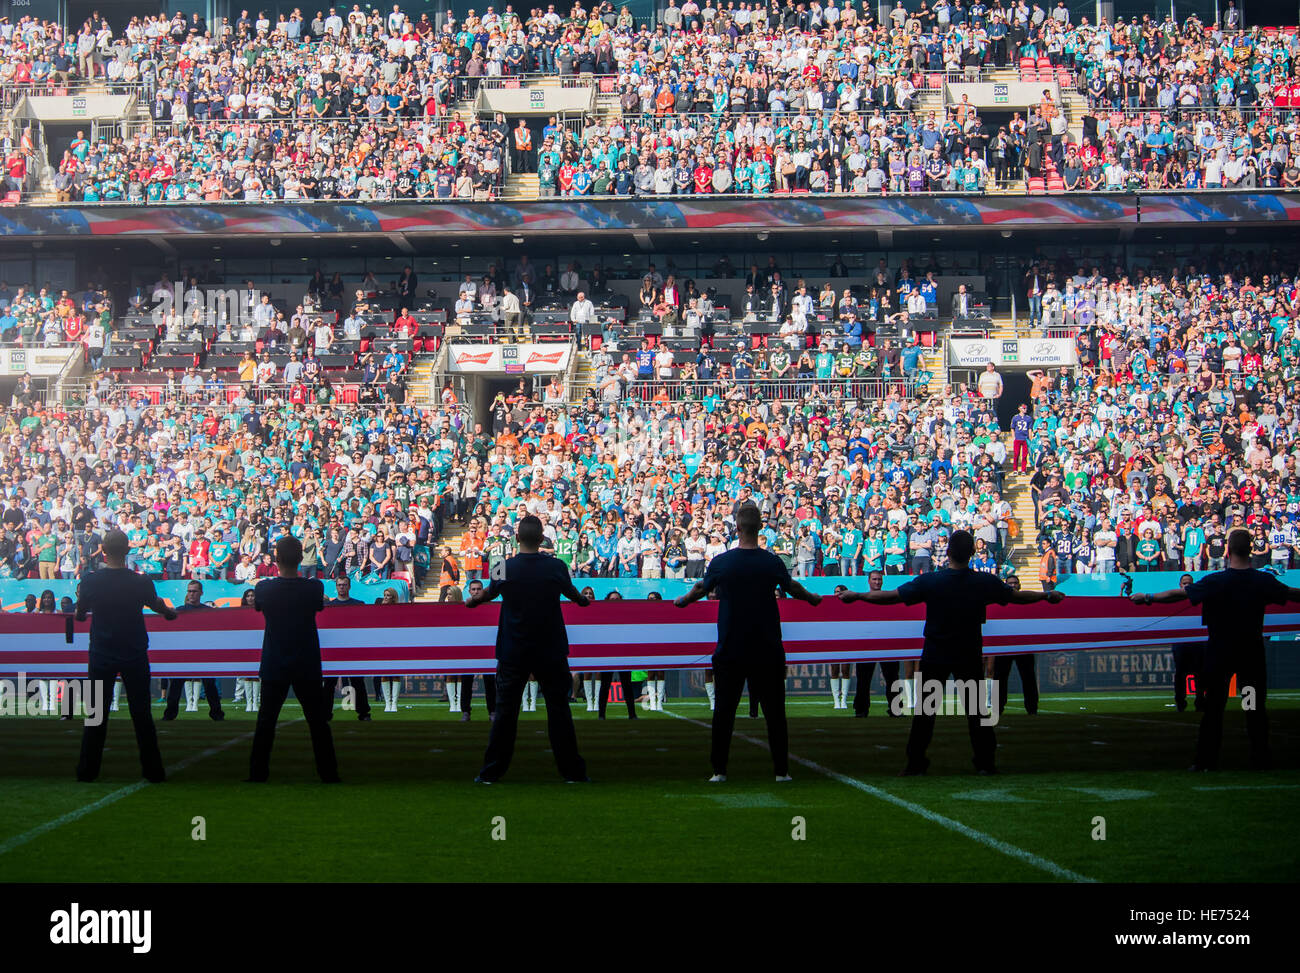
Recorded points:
(420,639)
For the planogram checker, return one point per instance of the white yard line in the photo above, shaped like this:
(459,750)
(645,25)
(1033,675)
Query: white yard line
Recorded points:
(114,796)
(987,840)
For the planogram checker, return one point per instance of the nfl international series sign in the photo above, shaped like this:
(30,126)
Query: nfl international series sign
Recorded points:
(417,639)
(509,359)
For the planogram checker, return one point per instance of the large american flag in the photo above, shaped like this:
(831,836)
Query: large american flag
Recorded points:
(416,639)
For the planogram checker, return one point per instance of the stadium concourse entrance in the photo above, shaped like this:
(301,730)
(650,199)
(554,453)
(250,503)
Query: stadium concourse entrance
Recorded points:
(483,391)
(477,391)
(59,137)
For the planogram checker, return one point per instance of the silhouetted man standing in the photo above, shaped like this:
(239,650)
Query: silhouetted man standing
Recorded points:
(531,638)
(291,658)
(956,601)
(193,602)
(114,597)
(1232,610)
(749,638)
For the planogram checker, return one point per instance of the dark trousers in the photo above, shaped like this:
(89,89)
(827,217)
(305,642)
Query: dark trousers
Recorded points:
(555,683)
(1187,662)
(983,741)
(1216,676)
(135,680)
(211,692)
(467,691)
(358,684)
(274,693)
(862,696)
(767,687)
(629,697)
(1028,680)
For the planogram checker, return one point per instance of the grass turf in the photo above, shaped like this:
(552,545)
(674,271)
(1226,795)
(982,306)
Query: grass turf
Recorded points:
(407,810)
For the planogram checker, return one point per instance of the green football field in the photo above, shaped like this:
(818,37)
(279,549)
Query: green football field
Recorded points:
(408,810)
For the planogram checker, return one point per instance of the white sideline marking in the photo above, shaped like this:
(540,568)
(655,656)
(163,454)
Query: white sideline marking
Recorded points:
(1010,850)
(114,796)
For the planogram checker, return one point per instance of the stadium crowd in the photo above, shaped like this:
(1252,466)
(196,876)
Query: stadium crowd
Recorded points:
(640,479)
(36,316)
(1178,425)
(819,98)
(204,490)
(1230,150)
(1181,423)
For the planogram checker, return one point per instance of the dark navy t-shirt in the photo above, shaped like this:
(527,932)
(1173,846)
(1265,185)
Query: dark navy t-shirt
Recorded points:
(749,622)
(1232,606)
(290,643)
(956,600)
(531,626)
(116,599)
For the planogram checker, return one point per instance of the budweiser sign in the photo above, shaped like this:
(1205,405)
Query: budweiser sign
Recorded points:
(510,359)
